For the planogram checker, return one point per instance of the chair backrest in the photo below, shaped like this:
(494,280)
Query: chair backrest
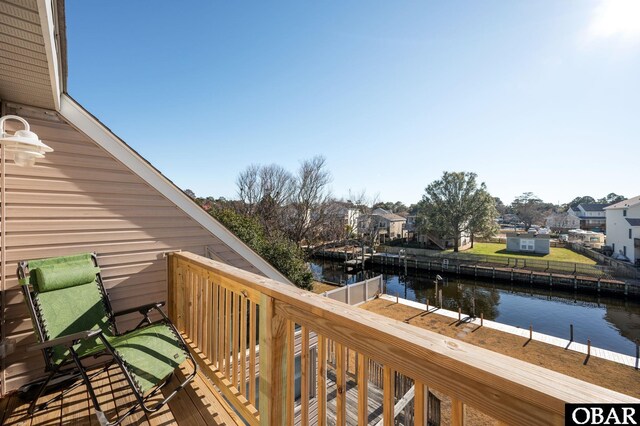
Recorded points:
(66,297)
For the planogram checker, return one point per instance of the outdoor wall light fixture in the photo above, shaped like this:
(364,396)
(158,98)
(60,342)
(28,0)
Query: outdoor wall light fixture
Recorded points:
(24,144)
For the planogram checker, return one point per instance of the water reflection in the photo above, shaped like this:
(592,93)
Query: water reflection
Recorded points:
(611,323)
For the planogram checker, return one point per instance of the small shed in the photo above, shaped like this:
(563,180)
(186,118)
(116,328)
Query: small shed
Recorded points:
(528,242)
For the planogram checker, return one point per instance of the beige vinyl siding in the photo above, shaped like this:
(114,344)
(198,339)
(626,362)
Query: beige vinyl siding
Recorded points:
(24,70)
(80,199)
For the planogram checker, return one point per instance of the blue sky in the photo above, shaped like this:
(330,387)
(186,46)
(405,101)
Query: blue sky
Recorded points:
(540,96)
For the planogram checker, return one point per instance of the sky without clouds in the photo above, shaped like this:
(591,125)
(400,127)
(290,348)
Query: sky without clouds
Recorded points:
(540,96)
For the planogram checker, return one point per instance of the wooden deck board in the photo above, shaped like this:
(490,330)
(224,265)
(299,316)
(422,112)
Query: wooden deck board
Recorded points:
(194,405)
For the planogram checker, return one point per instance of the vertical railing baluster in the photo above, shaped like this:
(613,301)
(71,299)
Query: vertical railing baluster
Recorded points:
(363,390)
(322,380)
(341,385)
(214,321)
(291,373)
(205,311)
(243,346)
(221,327)
(252,352)
(457,412)
(388,398)
(304,375)
(234,340)
(227,333)
(420,404)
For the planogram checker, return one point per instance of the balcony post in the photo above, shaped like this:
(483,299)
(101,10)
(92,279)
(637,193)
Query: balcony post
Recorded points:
(273,364)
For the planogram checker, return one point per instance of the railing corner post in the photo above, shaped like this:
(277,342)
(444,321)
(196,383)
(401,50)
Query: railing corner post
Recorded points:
(273,360)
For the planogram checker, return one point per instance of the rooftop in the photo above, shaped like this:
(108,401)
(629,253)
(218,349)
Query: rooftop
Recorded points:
(629,202)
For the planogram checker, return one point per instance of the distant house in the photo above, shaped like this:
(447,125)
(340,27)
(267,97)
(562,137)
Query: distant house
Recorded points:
(592,216)
(560,222)
(528,242)
(623,228)
(431,239)
(382,225)
(346,215)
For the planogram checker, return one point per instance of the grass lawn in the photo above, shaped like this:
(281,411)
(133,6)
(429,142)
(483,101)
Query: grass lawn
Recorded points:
(557,254)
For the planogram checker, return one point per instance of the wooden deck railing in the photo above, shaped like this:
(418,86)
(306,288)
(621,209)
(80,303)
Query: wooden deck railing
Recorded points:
(223,312)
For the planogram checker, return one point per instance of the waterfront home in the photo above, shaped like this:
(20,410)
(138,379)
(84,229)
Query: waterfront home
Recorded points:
(95,193)
(591,216)
(345,215)
(528,242)
(381,225)
(623,228)
(430,239)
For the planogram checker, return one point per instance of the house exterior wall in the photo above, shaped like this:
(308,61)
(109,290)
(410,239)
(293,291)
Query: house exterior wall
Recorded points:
(81,199)
(396,229)
(562,221)
(618,231)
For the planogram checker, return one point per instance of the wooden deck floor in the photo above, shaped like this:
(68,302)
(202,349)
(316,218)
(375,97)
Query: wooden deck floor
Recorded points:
(199,404)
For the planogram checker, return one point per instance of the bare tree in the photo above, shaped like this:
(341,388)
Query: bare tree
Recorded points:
(249,188)
(264,192)
(310,207)
(529,208)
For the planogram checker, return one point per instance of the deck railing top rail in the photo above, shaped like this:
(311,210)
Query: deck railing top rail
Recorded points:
(507,389)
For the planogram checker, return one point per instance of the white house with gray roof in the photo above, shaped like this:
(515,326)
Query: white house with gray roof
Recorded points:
(591,215)
(623,228)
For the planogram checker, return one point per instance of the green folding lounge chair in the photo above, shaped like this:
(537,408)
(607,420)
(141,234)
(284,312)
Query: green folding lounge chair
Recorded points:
(74,321)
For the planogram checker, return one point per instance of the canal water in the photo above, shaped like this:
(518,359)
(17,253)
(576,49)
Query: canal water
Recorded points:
(611,323)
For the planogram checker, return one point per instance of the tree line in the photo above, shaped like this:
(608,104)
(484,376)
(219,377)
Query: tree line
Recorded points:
(278,211)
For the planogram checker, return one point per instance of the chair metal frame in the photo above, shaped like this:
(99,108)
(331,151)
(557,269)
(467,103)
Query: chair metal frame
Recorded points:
(72,366)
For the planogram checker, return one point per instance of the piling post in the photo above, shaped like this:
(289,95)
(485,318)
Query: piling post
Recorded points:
(440,297)
(530,331)
(481,319)
(511,274)
(571,332)
(494,273)
(588,347)
(427,305)
(599,278)
(397,298)
(459,314)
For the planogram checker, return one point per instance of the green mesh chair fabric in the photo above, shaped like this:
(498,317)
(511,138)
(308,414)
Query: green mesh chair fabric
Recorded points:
(69,299)
(150,353)
(71,310)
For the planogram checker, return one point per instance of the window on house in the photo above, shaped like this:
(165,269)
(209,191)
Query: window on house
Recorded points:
(624,250)
(630,232)
(624,212)
(527,245)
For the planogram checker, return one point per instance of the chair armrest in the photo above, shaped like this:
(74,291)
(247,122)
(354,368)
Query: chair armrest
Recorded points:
(68,340)
(144,309)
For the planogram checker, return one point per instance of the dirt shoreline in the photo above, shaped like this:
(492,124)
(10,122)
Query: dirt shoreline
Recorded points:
(598,371)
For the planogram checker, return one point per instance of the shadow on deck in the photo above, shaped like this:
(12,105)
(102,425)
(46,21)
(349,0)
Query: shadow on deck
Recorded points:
(199,404)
